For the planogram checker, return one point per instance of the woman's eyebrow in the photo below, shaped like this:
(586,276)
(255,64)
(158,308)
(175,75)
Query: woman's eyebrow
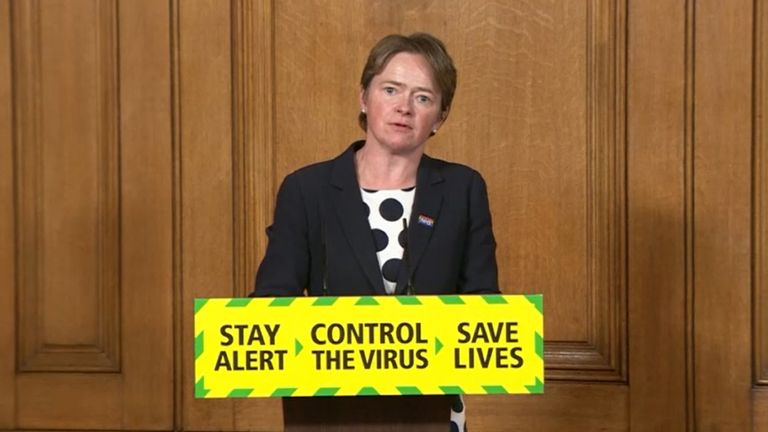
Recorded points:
(395,83)
(424,89)
(399,84)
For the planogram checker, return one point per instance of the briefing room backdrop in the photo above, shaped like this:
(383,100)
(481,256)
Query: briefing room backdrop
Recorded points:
(623,143)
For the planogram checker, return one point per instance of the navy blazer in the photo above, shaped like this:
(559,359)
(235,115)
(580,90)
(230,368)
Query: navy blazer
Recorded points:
(320,241)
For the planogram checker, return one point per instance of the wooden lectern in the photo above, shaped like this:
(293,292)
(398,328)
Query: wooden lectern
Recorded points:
(367,413)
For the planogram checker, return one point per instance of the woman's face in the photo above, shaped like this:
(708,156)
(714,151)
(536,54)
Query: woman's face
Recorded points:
(402,104)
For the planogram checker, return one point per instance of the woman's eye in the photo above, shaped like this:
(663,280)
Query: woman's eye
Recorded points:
(389,90)
(423,99)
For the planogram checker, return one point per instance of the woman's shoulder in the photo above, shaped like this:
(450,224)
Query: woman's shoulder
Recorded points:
(452,170)
(322,172)
(313,170)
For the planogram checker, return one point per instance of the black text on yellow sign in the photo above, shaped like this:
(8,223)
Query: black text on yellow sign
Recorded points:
(365,346)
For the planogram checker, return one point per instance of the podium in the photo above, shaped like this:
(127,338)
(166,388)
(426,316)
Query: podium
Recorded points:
(367,413)
(370,364)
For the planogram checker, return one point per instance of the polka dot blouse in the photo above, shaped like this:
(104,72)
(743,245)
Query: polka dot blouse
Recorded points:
(387,209)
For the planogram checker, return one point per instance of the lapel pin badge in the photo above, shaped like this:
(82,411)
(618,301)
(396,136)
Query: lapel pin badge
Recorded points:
(426,221)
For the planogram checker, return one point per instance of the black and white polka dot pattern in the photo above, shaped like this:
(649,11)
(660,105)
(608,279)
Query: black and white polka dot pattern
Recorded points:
(386,211)
(458,415)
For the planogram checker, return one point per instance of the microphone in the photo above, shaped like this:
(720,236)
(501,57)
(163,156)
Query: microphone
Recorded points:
(406,261)
(325,258)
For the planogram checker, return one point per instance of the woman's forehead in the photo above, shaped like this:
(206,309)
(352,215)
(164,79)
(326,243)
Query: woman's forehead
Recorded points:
(408,69)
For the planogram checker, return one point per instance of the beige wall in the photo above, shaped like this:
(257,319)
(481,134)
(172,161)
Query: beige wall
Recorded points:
(141,143)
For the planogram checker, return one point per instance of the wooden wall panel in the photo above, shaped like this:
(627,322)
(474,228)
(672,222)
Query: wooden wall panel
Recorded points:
(202,49)
(253,141)
(317,67)
(223,94)
(91,172)
(146,163)
(253,85)
(601,353)
(722,211)
(760,221)
(67,186)
(7,225)
(562,407)
(760,410)
(521,117)
(760,198)
(656,214)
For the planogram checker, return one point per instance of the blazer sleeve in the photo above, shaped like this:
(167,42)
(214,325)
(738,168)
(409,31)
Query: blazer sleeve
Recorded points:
(284,271)
(479,273)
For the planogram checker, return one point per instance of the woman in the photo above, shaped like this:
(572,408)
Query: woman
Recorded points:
(383,217)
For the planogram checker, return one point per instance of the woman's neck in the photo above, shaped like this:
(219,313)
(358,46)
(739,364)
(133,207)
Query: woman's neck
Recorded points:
(380,170)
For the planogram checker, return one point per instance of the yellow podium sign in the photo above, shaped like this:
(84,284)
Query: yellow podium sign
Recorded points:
(355,346)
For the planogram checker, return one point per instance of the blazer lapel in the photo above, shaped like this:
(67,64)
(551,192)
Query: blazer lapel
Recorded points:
(346,199)
(424,215)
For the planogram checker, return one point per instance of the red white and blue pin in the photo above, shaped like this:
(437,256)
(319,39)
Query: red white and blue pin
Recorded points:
(426,221)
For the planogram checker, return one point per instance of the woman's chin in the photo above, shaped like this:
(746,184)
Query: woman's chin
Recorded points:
(405,149)
(401,145)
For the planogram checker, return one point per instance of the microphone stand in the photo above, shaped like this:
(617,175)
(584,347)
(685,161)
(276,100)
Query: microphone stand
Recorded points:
(406,260)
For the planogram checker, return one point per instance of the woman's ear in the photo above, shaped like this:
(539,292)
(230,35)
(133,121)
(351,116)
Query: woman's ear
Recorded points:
(362,100)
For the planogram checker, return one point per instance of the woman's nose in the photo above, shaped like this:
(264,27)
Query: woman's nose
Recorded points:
(403,105)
